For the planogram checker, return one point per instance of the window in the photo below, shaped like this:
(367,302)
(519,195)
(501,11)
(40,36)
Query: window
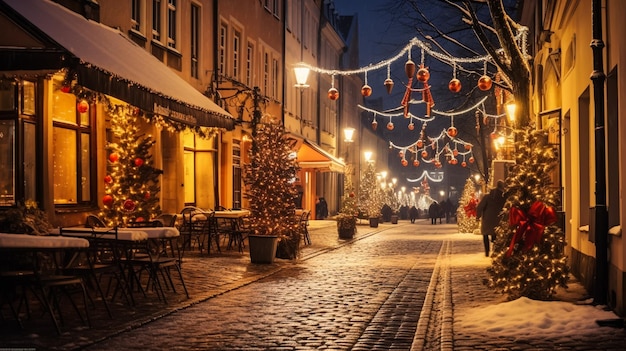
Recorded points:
(200,157)
(71,150)
(195,40)
(249,59)
(7,162)
(156,20)
(171,24)
(275,73)
(236,53)
(266,4)
(276,9)
(135,15)
(266,72)
(222,50)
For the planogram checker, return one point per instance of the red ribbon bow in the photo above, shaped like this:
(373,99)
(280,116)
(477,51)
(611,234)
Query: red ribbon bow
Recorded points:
(530,225)
(470,208)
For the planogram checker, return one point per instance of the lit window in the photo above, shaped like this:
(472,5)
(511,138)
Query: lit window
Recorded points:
(195,40)
(249,59)
(236,53)
(222,50)
(171,23)
(156,20)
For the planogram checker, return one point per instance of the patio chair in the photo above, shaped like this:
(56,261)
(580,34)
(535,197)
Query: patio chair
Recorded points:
(303,225)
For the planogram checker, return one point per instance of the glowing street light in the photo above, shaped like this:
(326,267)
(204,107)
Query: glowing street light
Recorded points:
(368,156)
(302,73)
(348,134)
(511,107)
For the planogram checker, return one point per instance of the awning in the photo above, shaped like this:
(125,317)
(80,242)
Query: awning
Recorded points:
(311,155)
(110,63)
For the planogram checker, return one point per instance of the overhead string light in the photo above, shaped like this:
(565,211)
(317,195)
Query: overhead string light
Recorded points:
(426,175)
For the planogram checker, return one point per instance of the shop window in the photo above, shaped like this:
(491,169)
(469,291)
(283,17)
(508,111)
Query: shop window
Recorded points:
(7,162)
(71,150)
(200,177)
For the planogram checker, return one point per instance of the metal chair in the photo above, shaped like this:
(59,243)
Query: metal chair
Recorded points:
(303,227)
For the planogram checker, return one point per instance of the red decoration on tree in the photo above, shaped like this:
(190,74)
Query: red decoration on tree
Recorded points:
(530,225)
(139,219)
(452,132)
(129,205)
(82,106)
(108,179)
(333,94)
(374,125)
(366,90)
(113,157)
(388,85)
(139,162)
(107,200)
(454,85)
(470,208)
(484,83)
(351,194)
(66,88)
(146,195)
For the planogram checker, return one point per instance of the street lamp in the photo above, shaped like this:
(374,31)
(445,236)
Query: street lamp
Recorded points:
(368,156)
(302,73)
(511,107)
(348,134)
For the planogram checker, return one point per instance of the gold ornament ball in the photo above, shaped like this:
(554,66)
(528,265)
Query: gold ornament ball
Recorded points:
(484,83)
(423,75)
(454,85)
(366,90)
(333,94)
(452,132)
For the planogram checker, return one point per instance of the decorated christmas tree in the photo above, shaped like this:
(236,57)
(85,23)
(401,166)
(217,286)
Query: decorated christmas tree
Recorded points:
(466,213)
(529,257)
(132,182)
(349,200)
(269,180)
(370,199)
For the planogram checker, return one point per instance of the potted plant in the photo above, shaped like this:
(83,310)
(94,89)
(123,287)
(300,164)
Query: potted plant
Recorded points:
(346,225)
(25,218)
(268,178)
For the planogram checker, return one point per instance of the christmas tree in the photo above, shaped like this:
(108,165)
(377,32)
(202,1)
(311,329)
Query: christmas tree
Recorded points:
(466,213)
(269,180)
(132,182)
(529,257)
(349,201)
(369,192)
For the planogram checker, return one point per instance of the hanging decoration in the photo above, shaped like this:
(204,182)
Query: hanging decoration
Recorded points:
(388,82)
(366,90)
(333,93)
(455,84)
(82,106)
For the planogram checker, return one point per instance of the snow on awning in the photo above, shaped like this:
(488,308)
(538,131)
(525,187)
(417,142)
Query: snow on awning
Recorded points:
(110,63)
(311,155)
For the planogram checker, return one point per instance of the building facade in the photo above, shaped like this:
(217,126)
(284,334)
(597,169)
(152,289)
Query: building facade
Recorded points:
(567,105)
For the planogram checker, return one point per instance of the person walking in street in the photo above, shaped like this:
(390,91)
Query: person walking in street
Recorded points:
(434,212)
(488,213)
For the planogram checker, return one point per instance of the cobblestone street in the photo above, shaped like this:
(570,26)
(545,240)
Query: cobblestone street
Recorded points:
(363,296)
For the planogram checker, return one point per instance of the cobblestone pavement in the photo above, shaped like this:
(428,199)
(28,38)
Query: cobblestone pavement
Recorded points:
(395,287)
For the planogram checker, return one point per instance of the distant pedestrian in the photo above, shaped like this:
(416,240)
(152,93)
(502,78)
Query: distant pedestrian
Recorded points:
(446,206)
(488,212)
(321,209)
(414,214)
(434,212)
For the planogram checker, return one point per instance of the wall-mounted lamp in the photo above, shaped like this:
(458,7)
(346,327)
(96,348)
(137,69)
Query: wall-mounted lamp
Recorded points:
(302,73)
(348,134)
(368,156)
(511,107)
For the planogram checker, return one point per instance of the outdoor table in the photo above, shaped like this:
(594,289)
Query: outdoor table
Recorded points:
(231,224)
(40,277)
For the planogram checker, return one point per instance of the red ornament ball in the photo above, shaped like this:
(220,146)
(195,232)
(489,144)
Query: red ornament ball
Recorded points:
(437,164)
(113,157)
(409,69)
(82,106)
(464,164)
(374,125)
(108,179)
(420,143)
(468,147)
(366,90)
(139,162)
(146,195)
(405,162)
(493,135)
(139,219)
(416,163)
(411,126)
(333,94)
(471,159)
(390,125)
(129,205)
(423,75)
(351,195)
(454,85)
(455,152)
(484,83)
(66,88)
(452,132)
(388,85)
(107,200)
(424,154)
(453,161)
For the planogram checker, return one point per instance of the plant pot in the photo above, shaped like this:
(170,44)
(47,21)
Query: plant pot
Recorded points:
(374,222)
(346,233)
(394,219)
(262,248)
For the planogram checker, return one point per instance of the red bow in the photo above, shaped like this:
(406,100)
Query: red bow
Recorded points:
(470,208)
(530,225)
